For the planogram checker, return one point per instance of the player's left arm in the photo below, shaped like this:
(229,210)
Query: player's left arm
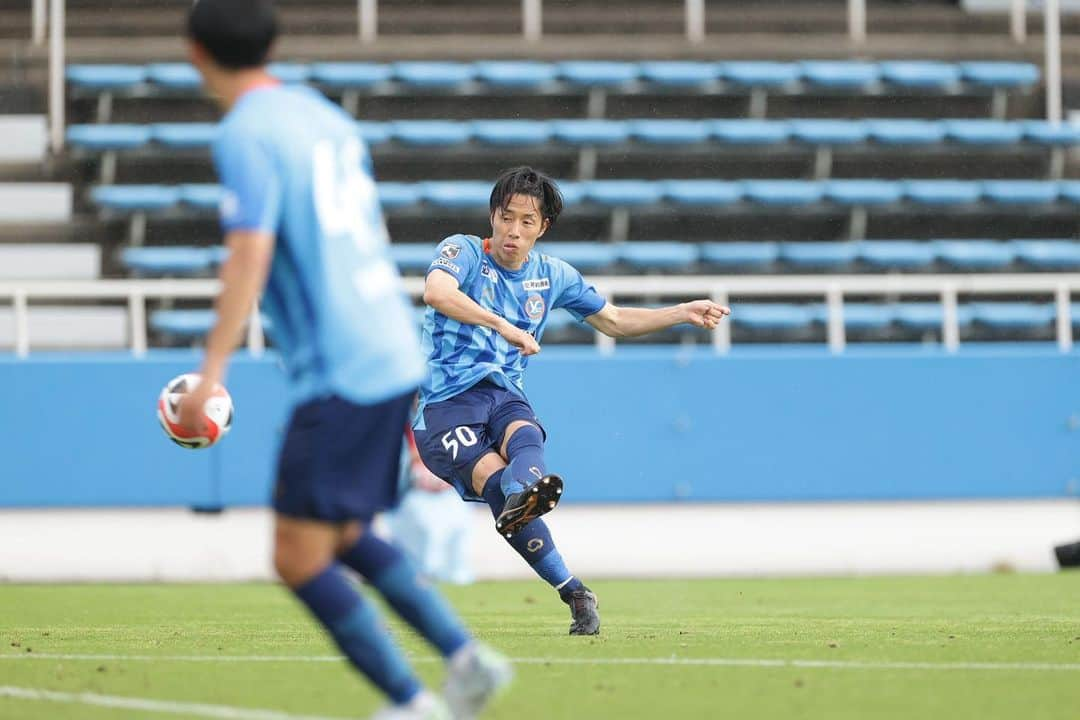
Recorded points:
(620,322)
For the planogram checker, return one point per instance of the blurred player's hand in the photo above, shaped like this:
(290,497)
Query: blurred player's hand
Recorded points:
(520,339)
(192,412)
(705,313)
(424,479)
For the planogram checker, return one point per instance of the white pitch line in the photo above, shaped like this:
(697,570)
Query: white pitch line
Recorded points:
(222,712)
(708,662)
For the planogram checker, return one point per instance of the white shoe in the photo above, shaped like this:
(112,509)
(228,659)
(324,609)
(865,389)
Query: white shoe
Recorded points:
(474,678)
(424,706)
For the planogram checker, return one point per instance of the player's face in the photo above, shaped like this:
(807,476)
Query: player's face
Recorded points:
(515,230)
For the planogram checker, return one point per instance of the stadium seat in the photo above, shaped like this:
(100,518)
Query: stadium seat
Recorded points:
(135,198)
(756,74)
(1000,74)
(1048,254)
(840,74)
(669,132)
(290,73)
(560,320)
(510,132)
(819,255)
(905,132)
(942,192)
(101,138)
(515,74)
(573,193)
(751,255)
(863,192)
(187,324)
(394,195)
(1013,316)
(868,316)
(184,136)
(982,132)
(920,74)
(430,133)
(174,76)
(701,193)
(785,316)
(623,193)
(433,75)
(585,256)
(202,197)
(828,132)
(412,257)
(928,315)
(173,260)
(783,192)
(750,132)
(349,75)
(465,195)
(975,255)
(680,74)
(1069,190)
(591,73)
(658,255)
(1043,133)
(1020,192)
(897,254)
(590,132)
(373,133)
(105,77)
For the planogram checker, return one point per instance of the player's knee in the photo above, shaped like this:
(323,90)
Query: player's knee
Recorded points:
(295,561)
(522,436)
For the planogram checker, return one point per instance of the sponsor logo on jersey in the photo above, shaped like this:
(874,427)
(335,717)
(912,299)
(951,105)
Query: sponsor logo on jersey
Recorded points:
(450,251)
(486,271)
(534,306)
(444,263)
(533,285)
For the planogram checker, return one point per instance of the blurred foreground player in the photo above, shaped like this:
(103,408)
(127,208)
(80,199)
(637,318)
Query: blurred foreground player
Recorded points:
(488,304)
(301,215)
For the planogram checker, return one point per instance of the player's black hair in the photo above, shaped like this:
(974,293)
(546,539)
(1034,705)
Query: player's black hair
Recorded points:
(236,33)
(530,182)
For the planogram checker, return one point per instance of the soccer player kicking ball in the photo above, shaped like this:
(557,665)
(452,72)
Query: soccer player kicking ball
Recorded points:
(301,215)
(488,303)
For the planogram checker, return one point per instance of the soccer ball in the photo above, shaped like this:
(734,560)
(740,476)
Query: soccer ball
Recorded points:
(218,413)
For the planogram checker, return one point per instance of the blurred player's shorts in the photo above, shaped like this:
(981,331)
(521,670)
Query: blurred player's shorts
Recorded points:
(434,529)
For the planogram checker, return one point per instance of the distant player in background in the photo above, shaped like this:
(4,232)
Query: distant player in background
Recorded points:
(301,215)
(488,304)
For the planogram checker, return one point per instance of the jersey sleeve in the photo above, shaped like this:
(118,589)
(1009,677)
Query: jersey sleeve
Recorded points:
(576,295)
(252,184)
(456,255)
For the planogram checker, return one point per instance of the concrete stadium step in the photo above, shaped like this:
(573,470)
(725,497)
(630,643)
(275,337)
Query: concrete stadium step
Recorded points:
(60,327)
(35,202)
(48,261)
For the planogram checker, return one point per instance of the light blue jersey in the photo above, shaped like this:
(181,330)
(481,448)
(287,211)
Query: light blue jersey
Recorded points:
(460,355)
(292,164)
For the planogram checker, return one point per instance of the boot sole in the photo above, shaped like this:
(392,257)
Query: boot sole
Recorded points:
(542,499)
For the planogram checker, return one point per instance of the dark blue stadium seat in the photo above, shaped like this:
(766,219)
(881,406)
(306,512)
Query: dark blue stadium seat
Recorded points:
(658,255)
(783,192)
(697,193)
(1048,254)
(463,195)
(430,133)
(174,76)
(290,73)
(680,74)
(983,132)
(184,136)
(757,74)
(750,255)
(433,75)
(516,74)
(373,133)
(897,254)
(510,132)
(828,132)
(819,255)
(173,260)
(585,256)
(349,75)
(623,193)
(975,255)
(135,198)
(920,74)
(868,316)
(105,77)
(905,132)
(669,132)
(750,132)
(393,195)
(595,73)
(1020,192)
(1013,316)
(842,74)
(1000,74)
(412,257)
(864,192)
(188,324)
(590,132)
(780,316)
(202,197)
(942,192)
(1043,133)
(101,138)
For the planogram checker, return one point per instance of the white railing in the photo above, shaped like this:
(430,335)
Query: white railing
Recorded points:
(834,290)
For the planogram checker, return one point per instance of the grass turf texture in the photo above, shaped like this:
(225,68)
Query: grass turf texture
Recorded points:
(1027,619)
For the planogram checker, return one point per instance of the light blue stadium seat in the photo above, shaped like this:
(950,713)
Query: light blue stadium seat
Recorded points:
(585,256)
(202,197)
(102,138)
(783,192)
(942,192)
(785,316)
(515,74)
(105,77)
(510,132)
(430,133)
(349,75)
(975,255)
(1069,190)
(905,132)
(573,193)
(864,192)
(184,136)
(623,193)
(750,132)
(1000,74)
(756,74)
(897,254)
(982,132)
(842,74)
(598,73)
(868,316)
(174,76)
(373,133)
(1020,192)
(135,198)
(669,132)
(920,74)
(756,255)
(1013,316)
(394,195)
(819,255)
(590,132)
(433,75)
(1048,254)
(173,260)
(559,320)
(1043,133)
(928,315)
(658,255)
(463,195)
(188,324)
(828,132)
(290,73)
(412,257)
(698,193)
(680,74)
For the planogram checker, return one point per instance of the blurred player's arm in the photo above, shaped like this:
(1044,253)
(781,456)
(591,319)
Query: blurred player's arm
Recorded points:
(621,322)
(443,292)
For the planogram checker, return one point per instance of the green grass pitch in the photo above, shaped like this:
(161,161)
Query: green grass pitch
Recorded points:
(986,647)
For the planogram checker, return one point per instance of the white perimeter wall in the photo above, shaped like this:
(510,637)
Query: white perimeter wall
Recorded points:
(630,541)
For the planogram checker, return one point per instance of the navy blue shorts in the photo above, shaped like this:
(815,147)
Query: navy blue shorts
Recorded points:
(459,431)
(340,461)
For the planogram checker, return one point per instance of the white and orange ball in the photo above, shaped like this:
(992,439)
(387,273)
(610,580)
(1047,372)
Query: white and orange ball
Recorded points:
(217,413)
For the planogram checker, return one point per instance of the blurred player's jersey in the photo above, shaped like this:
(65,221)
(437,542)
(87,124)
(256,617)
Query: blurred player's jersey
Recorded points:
(293,165)
(460,355)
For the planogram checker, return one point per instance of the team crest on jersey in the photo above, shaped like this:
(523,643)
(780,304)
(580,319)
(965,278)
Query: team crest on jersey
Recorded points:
(534,306)
(450,251)
(533,285)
